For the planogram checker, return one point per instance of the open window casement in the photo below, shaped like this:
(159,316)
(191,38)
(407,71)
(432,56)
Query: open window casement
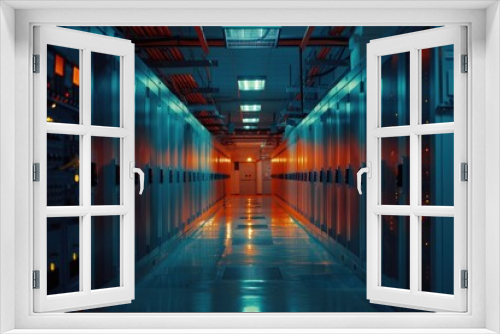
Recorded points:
(83,231)
(417,155)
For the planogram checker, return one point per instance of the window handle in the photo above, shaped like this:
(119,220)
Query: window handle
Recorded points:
(361,171)
(139,171)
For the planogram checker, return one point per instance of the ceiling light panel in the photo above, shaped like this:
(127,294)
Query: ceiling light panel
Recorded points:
(251,83)
(250,127)
(251,37)
(250,107)
(250,120)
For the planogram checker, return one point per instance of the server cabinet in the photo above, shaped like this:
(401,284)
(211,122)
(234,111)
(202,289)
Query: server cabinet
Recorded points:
(323,173)
(344,156)
(152,178)
(166,171)
(176,168)
(142,161)
(329,172)
(355,164)
(310,172)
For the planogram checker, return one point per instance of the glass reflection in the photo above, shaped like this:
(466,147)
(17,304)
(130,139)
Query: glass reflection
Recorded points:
(395,89)
(105,170)
(63,170)
(437,169)
(105,252)
(437,254)
(63,256)
(437,84)
(396,252)
(395,171)
(63,85)
(105,90)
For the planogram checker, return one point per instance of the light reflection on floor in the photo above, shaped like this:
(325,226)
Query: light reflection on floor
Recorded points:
(239,262)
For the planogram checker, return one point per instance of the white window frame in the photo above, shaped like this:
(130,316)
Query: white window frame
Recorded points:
(483,102)
(413,43)
(85,43)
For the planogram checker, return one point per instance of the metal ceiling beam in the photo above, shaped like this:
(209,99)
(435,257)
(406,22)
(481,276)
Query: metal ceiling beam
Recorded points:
(213,116)
(203,107)
(201,90)
(317,90)
(184,63)
(305,39)
(202,39)
(194,42)
(327,62)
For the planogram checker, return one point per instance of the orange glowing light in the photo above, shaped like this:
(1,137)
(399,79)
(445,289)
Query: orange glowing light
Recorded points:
(76,76)
(59,66)
(52,267)
(249,159)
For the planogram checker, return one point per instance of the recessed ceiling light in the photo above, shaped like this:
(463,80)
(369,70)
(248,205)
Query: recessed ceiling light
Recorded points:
(250,120)
(251,83)
(250,107)
(250,127)
(251,37)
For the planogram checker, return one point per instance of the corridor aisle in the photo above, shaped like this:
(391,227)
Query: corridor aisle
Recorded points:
(250,257)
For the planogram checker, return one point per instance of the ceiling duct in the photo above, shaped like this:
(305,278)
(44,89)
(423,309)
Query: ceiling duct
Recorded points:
(251,37)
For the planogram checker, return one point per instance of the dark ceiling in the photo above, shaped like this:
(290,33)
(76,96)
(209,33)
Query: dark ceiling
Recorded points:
(182,57)
(199,67)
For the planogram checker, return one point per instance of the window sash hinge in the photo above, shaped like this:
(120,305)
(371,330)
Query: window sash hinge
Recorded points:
(464,171)
(36,279)
(465,64)
(36,172)
(36,63)
(464,279)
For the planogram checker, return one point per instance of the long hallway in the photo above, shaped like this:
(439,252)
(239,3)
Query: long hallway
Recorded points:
(251,256)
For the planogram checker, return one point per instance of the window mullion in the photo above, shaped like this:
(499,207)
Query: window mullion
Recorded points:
(414,170)
(86,168)
(85,274)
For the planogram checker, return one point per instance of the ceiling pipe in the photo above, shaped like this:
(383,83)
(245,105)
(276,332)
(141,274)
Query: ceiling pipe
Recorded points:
(202,39)
(183,63)
(194,42)
(305,39)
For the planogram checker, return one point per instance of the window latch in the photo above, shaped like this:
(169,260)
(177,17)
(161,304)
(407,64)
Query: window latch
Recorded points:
(134,170)
(368,171)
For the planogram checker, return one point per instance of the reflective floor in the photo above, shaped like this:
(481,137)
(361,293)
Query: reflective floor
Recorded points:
(250,257)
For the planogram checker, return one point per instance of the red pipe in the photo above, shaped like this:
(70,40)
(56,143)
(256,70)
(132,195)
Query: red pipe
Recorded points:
(203,40)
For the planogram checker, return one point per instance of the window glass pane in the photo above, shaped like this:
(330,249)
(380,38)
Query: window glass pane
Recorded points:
(105,252)
(396,252)
(63,170)
(395,169)
(105,171)
(437,84)
(105,90)
(437,170)
(63,85)
(437,254)
(395,89)
(63,243)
